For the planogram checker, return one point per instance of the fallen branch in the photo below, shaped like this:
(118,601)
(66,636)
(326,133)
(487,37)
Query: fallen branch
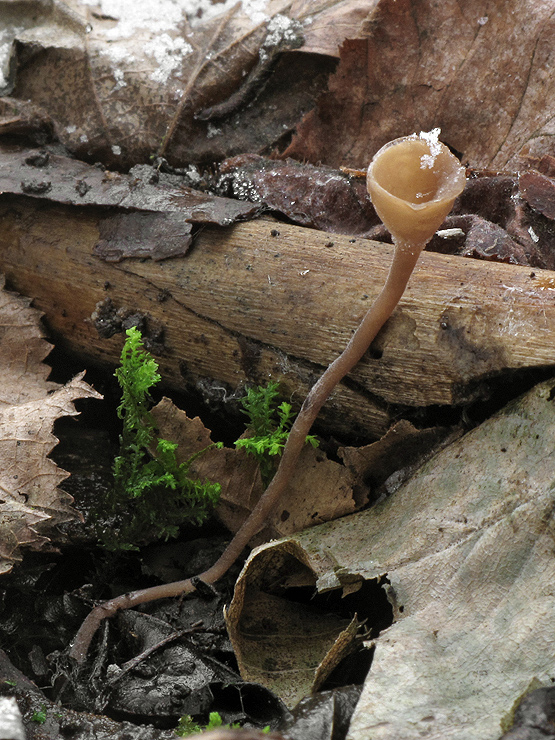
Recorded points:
(229,312)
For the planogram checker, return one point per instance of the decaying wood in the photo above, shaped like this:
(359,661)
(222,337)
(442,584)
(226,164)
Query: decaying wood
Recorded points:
(260,300)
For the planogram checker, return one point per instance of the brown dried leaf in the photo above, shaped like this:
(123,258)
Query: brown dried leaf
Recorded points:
(42,174)
(31,505)
(320,492)
(478,70)
(320,197)
(491,222)
(122,91)
(539,192)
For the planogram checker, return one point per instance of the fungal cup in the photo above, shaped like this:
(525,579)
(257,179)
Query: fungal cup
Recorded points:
(413,182)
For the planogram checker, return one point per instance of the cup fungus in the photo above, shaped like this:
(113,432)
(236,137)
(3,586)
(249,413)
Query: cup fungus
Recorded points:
(413,182)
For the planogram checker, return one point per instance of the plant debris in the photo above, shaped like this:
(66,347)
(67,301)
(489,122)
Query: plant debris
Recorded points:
(31,505)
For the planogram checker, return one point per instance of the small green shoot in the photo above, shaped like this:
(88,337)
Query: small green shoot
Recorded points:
(187,725)
(152,493)
(39,716)
(268,427)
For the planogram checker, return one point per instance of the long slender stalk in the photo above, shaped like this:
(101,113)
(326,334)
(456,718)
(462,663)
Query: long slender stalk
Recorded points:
(404,261)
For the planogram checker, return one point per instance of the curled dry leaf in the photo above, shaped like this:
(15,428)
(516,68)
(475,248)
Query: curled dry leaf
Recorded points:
(122,88)
(288,647)
(31,504)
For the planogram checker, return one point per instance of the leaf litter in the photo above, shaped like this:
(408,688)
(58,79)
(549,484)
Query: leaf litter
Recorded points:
(470,581)
(129,85)
(31,503)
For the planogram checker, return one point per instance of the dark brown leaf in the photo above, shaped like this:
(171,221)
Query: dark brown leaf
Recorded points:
(476,69)
(539,192)
(154,235)
(485,240)
(534,718)
(320,197)
(42,174)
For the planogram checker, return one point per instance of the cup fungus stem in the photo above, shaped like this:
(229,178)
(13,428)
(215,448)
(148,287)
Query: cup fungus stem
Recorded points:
(413,182)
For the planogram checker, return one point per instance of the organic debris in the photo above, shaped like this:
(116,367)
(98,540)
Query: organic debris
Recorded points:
(478,520)
(119,88)
(31,505)
(422,65)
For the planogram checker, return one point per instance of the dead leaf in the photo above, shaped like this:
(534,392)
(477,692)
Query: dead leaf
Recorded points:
(322,489)
(331,23)
(476,70)
(539,192)
(319,197)
(467,547)
(120,89)
(288,647)
(141,235)
(42,174)
(31,504)
(381,467)
(481,239)
(534,717)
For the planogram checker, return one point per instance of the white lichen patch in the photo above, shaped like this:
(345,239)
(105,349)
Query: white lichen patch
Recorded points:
(280,28)
(200,11)
(131,15)
(169,54)
(119,78)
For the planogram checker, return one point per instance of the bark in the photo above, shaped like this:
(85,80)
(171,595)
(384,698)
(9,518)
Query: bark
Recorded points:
(264,300)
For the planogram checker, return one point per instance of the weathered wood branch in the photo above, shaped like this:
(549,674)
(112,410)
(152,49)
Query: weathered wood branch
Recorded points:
(260,300)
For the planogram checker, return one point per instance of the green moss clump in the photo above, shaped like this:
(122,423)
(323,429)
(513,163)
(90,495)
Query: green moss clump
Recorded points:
(152,494)
(268,427)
